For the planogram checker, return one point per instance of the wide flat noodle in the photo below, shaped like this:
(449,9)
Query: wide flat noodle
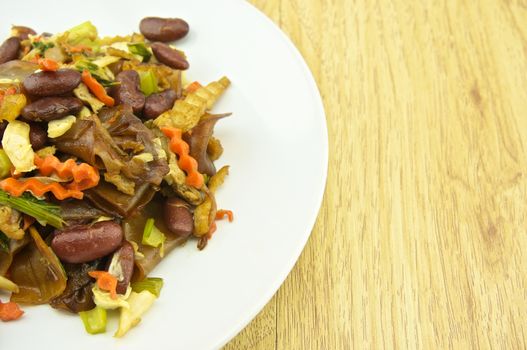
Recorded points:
(38,273)
(6,258)
(107,198)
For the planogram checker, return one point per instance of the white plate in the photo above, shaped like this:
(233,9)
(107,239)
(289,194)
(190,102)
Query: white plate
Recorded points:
(276,144)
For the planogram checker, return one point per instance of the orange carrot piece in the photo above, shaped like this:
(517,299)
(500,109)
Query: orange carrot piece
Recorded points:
(10,91)
(193,87)
(84,175)
(97,89)
(48,65)
(220,214)
(16,187)
(105,281)
(10,311)
(185,162)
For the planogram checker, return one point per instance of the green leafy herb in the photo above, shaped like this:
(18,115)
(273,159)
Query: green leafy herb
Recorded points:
(42,46)
(151,284)
(97,72)
(83,64)
(4,242)
(141,50)
(44,212)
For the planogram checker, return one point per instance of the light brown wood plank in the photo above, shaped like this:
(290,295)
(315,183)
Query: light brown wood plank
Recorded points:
(421,242)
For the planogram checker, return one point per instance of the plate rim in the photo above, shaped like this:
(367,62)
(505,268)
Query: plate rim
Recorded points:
(323,130)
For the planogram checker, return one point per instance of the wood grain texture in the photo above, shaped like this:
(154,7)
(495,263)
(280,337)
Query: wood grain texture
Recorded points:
(421,242)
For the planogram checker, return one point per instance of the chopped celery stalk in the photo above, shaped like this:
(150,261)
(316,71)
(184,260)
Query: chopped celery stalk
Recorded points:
(45,213)
(5,164)
(148,83)
(153,237)
(84,33)
(140,49)
(94,320)
(151,284)
(149,224)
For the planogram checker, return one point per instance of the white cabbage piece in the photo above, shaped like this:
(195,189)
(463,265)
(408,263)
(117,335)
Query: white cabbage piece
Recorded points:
(17,146)
(58,127)
(139,304)
(104,299)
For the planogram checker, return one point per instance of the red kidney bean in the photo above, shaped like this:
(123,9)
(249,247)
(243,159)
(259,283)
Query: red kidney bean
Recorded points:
(128,91)
(51,108)
(156,104)
(123,260)
(163,29)
(9,49)
(178,217)
(22,32)
(84,243)
(167,55)
(52,83)
(38,136)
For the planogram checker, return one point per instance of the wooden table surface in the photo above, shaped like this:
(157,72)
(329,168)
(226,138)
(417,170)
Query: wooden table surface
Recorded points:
(421,241)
